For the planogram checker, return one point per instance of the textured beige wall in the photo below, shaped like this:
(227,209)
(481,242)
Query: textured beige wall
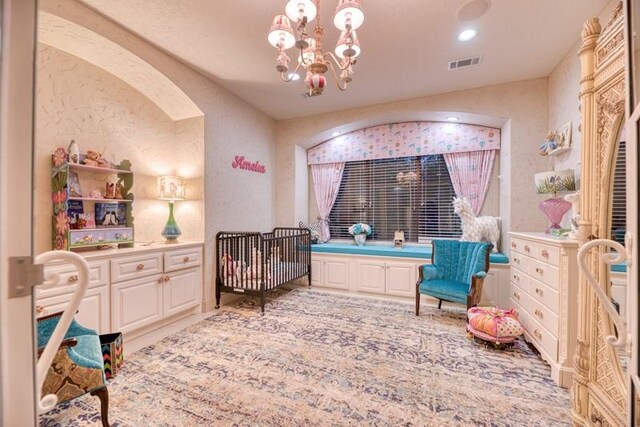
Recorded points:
(235,199)
(522,107)
(564,103)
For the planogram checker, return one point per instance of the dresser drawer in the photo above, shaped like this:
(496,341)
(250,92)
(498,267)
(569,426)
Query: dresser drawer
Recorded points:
(520,278)
(133,267)
(545,317)
(182,258)
(520,262)
(542,338)
(98,276)
(544,295)
(517,294)
(546,253)
(545,273)
(522,246)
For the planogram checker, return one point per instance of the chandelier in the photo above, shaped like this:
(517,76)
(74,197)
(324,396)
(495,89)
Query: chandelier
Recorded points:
(311,57)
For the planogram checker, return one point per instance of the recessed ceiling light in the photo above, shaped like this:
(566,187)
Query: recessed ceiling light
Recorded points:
(467,35)
(336,133)
(452,119)
(294,77)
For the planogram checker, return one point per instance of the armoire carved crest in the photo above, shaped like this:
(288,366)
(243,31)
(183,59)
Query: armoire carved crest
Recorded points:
(599,392)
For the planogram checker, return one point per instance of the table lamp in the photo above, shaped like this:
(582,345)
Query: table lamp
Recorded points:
(171,188)
(555,182)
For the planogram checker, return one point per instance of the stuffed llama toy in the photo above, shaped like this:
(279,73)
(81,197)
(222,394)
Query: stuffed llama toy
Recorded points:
(476,229)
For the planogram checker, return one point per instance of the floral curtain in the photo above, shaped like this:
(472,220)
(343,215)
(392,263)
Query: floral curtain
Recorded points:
(326,183)
(470,174)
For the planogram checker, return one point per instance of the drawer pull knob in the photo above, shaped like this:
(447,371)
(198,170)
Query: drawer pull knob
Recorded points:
(186,259)
(39,309)
(516,277)
(513,245)
(73,279)
(527,248)
(139,267)
(538,313)
(539,291)
(167,278)
(161,279)
(545,253)
(539,270)
(538,334)
(516,294)
(516,260)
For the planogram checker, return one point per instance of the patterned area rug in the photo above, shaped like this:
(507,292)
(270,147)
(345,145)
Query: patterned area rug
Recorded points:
(324,359)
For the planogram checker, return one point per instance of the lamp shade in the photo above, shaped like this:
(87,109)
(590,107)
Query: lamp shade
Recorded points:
(343,49)
(348,11)
(281,31)
(555,182)
(296,9)
(171,187)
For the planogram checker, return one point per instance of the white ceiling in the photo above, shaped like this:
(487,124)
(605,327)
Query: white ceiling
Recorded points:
(405,46)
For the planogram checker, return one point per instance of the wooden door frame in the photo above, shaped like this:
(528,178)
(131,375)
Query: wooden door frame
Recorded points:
(17,58)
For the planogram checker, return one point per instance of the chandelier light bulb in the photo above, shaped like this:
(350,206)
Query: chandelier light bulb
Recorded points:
(296,9)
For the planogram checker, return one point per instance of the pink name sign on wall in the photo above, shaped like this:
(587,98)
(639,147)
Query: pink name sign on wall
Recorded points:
(240,163)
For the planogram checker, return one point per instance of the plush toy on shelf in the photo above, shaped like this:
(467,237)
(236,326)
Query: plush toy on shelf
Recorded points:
(548,145)
(94,158)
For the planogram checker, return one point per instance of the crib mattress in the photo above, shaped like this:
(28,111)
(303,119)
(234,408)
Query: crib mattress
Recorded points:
(280,273)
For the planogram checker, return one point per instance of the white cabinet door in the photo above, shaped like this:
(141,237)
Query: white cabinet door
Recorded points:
(316,270)
(401,278)
(93,312)
(370,276)
(136,303)
(181,290)
(336,273)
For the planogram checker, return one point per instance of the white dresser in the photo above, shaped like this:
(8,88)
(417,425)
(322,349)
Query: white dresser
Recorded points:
(131,290)
(544,288)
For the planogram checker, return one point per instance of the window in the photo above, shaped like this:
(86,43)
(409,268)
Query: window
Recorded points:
(619,198)
(413,194)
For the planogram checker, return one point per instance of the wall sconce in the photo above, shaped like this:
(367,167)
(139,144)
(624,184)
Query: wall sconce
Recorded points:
(171,188)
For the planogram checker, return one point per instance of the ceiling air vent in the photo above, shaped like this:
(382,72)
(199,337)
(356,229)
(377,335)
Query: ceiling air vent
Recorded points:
(464,63)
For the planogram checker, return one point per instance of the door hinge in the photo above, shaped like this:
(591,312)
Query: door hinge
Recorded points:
(24,275)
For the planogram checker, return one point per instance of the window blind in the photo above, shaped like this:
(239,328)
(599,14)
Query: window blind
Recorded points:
(412,194)
(619,196)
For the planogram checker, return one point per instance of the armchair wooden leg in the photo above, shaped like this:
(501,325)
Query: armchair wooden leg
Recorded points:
(417,302)
(103,395)
(439,304)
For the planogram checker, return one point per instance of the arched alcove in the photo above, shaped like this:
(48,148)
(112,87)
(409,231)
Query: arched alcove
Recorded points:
(106,98)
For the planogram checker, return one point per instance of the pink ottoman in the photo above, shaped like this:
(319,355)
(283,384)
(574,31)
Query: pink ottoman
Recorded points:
(494,325)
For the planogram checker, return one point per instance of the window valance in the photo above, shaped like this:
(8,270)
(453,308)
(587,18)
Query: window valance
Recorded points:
(404,139)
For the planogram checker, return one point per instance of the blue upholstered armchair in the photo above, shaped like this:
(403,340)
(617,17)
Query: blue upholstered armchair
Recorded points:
(78,365)
(456,272)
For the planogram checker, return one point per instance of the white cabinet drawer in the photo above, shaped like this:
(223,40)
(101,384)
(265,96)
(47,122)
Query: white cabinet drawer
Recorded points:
(545,295)
(182,258)
(181,290)
(517,294)
(545,273)
(98,276)
(93,312)
(537,334)
(520,278)
(520,262)
(133,267)
(522,246)
(136,303)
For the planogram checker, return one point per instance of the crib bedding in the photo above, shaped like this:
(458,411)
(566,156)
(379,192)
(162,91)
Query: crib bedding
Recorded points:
(280,273)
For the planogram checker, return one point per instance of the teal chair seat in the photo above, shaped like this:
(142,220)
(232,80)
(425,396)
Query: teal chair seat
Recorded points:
(456,272)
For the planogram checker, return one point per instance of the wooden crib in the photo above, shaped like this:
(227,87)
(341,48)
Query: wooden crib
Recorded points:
(252,263)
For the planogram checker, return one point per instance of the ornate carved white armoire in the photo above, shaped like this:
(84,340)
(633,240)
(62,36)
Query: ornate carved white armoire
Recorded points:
(602,387)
